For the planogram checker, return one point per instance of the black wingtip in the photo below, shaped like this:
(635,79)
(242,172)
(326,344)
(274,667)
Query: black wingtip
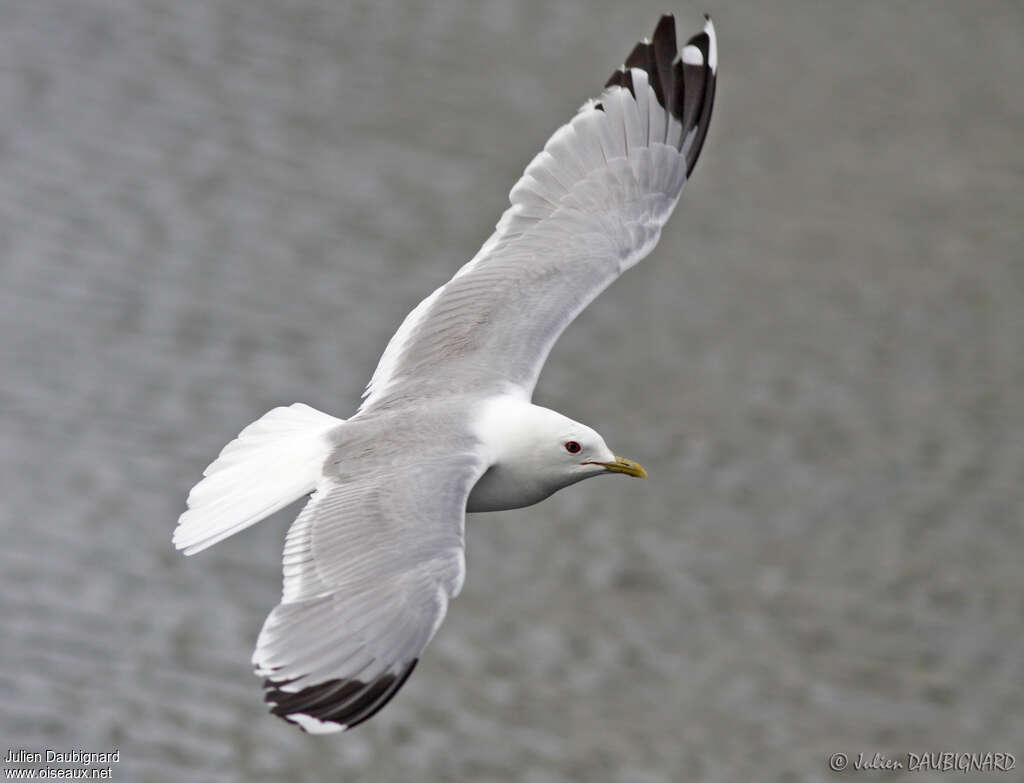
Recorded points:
(335,704)
(665,27)
(638,57)
(684,84)
(616,79)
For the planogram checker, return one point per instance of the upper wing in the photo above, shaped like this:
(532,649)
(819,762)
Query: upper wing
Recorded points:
(588,207)
(369,566)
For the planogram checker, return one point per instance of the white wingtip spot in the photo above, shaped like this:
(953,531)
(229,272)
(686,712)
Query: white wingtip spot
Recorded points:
(314,725)
(692,55)
(709,28)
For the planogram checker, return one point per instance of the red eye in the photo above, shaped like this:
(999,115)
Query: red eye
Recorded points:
(572,447)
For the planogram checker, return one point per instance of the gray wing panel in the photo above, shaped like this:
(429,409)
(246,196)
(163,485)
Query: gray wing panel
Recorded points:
(589,206)
(369,567)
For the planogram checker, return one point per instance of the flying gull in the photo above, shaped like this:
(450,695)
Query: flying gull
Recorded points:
(446,424)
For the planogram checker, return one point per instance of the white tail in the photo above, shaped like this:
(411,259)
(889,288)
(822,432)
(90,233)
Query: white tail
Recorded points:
(275,460)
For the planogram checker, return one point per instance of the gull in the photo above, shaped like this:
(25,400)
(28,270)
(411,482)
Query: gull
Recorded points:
(446,423)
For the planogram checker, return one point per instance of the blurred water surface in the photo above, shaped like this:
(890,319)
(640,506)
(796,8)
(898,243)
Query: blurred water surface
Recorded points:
(211,208)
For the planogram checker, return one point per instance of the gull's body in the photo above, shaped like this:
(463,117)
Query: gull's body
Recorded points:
(447,425)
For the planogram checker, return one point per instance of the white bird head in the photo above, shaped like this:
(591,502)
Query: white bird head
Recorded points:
(558,446)
(537,452)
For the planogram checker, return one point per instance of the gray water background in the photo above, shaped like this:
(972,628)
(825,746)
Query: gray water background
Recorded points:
(211,208)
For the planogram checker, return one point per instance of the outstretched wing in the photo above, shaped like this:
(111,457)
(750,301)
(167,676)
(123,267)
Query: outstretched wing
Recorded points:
(588,207)
(369,567)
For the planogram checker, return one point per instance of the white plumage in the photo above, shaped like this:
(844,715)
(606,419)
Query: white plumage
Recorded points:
(446,421)
(273,462)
